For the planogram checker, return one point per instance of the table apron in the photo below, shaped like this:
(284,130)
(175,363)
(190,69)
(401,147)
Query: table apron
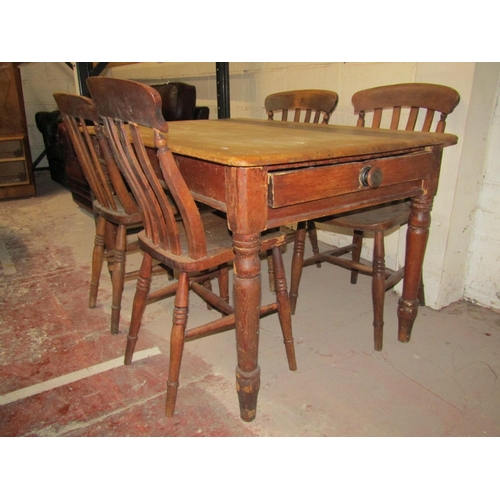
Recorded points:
(206,180)
(305,193)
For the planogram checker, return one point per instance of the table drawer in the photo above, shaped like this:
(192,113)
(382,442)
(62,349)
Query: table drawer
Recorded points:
(301,185)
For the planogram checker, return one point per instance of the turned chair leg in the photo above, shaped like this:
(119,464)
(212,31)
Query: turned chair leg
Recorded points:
(284,313)
(270,270)
(357,241)
(97,260)
(141,295)
(118,277)
(208,285)
(313,238)
(297,260)
(111,233)
(223,279)
(421,291)
(177,338)
(378,289)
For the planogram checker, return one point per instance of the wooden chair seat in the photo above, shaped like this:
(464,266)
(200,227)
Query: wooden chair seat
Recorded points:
(119,215)
(375,219)
(198,246)
(378,221)
(219,245)
(400,101)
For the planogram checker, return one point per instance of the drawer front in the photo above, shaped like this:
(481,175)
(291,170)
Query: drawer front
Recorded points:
(292,187)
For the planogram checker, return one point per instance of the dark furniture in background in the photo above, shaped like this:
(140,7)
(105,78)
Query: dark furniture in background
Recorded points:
(178,103)
(47,123)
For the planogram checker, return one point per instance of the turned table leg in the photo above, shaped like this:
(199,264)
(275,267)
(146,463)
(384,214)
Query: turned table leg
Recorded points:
(247,289)
(416,241)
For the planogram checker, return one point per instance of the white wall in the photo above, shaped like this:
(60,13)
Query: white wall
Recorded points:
(482,280)
(463,255)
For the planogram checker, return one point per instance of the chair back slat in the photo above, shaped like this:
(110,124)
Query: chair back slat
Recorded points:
(100,170)
(124,154)
(409,96)
(145,185)
(124,107)
(86,157)
(187,207)
(377,118)
(429,117)
(320,102)
(115,176)
(396,115)
(412,118)
(165,220)
(93,153)
(76,111)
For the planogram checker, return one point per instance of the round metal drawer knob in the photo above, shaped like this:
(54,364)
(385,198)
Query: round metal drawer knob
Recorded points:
(371,176)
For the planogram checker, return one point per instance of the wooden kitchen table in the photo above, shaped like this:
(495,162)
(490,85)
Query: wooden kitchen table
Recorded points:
(264,174)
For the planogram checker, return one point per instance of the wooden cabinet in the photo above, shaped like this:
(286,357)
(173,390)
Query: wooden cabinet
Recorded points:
(16,171)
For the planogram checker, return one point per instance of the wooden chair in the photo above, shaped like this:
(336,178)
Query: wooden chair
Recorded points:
(114,206)
(198,247)
(406,96)
(305,105)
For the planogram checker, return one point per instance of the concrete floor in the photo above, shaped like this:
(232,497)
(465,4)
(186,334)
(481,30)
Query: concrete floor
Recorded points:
(61,372)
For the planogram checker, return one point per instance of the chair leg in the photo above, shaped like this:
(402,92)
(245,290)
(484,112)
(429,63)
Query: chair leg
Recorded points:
(111,233)
(177,337)
(270,270)
(97,260)
(421,291)
(284,313)
(313,238)
(378,289)
(118,277)
(208,285)
(297,260)
(357,241)
(141,295)
(224,283)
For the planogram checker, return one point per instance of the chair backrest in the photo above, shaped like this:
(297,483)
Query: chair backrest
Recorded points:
(413,96)
(94,154)
(124,106)
(317,102)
